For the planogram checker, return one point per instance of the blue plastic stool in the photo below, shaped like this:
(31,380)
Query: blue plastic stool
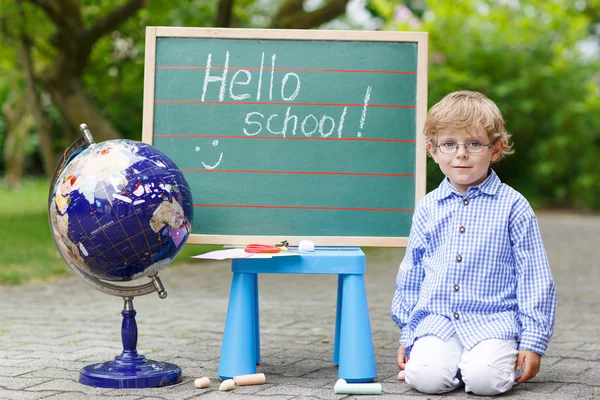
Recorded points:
(353,348)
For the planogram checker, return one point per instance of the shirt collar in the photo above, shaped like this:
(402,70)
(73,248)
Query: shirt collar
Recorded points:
(489,186)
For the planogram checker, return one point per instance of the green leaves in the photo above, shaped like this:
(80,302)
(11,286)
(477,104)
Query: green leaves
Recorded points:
(524,55)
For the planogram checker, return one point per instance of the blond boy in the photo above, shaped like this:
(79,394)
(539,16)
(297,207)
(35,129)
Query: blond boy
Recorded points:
(475,300)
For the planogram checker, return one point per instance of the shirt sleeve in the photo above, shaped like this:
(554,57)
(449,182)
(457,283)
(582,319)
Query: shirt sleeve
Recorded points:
(536,294)
(410,275)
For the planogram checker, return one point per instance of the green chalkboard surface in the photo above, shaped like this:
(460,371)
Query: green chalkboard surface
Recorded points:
(291,134)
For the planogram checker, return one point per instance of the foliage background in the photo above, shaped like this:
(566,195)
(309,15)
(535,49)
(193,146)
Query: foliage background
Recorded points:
(538,59)
(524,54)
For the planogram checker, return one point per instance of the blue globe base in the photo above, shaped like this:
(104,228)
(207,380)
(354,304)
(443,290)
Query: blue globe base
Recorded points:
(130,372)
(129,369)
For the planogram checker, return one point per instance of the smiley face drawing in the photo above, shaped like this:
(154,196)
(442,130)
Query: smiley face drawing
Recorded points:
(215,143)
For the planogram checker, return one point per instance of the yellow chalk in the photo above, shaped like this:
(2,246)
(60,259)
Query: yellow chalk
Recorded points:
(227,384)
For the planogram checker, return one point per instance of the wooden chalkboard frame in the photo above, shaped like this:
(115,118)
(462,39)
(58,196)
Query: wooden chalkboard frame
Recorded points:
(420,38)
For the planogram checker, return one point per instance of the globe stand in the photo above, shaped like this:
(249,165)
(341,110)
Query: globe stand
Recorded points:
(130,369)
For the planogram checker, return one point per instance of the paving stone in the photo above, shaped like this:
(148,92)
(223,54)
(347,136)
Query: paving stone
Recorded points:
(84,396)
(15,371)
(54,373)
(578,391)
(51,363)
(17,383)
(12,353)
(10,362)
(23,395)
(65,385)
(284,390)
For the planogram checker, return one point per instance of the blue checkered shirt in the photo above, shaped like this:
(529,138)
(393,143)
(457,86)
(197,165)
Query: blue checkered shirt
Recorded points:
(475,266)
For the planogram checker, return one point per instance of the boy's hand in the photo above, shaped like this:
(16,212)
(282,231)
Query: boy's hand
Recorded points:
(401,358)
(532,363)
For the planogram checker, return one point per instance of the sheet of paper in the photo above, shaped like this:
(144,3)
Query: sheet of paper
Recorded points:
(226,254)
(239,252)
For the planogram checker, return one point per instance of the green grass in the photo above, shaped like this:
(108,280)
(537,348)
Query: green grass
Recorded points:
(27,250)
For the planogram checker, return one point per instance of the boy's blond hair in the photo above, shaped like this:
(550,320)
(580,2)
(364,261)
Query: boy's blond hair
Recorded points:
(466,109)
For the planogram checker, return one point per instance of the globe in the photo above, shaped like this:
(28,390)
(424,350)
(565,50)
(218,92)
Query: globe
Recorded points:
(119,210)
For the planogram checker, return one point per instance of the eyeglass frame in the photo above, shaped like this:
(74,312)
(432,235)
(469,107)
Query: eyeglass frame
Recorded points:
(465,146)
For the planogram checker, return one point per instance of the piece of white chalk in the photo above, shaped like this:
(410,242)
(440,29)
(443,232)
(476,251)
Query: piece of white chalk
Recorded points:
(306,245)
(343,387)
(202,383)
(401,375)
(227,384)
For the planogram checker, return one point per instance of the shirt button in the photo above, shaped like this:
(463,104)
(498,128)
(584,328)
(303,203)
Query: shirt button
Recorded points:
(458,258)
(465,202)
(456,287)
(455,315)
(462,229)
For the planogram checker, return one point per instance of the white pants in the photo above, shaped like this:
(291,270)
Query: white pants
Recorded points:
(487,369)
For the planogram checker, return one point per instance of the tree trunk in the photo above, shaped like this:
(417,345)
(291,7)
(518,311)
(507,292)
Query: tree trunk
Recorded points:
(224,13)
(35,109)
(19,123)
(291,14)
(77,108)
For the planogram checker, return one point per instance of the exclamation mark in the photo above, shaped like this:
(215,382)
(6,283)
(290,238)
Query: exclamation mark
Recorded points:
(364,112)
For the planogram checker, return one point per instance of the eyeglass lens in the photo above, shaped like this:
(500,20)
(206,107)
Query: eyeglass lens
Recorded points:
(452,147)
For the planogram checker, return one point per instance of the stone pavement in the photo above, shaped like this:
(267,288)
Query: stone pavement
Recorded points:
(49,331)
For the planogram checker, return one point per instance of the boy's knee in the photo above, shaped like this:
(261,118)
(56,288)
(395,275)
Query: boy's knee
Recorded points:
(486,380)
(430,379)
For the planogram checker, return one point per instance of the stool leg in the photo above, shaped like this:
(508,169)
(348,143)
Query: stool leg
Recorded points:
(356,354)
(238,351)
(338,314)
(256,319)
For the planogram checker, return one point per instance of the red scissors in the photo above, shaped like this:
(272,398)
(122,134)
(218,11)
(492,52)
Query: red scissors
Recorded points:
(261,248)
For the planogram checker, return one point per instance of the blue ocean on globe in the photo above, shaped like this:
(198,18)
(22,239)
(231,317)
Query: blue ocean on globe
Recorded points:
(120,209)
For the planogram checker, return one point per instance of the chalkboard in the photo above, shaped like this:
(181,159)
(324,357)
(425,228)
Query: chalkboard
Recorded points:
(291,134)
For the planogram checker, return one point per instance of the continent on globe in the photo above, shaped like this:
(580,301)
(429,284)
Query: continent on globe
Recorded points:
(120,209)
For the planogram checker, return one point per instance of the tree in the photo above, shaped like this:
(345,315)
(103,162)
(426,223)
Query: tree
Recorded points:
(71,50)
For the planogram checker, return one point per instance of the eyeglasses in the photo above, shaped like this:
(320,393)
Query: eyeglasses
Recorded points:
(473,146)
